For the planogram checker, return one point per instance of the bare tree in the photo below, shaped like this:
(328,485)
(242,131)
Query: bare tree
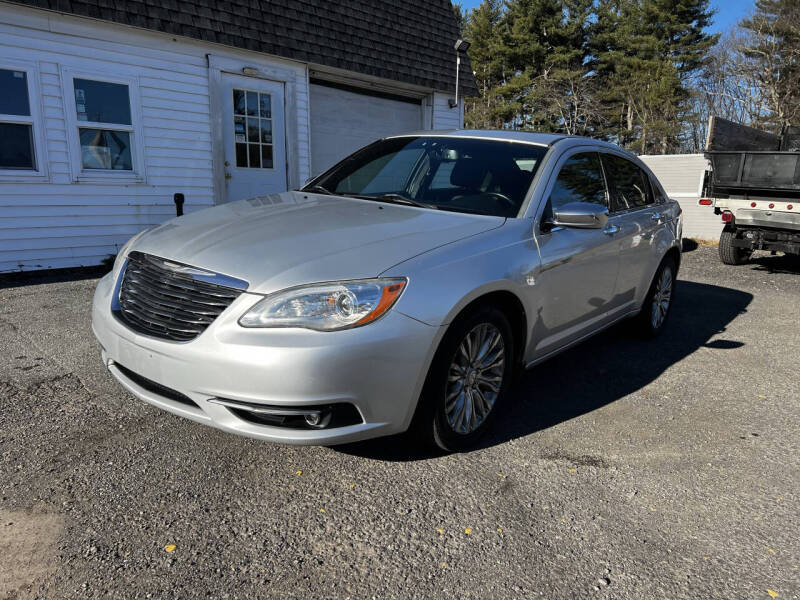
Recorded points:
(769,51)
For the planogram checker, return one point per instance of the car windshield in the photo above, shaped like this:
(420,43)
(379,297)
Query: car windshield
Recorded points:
(468,175)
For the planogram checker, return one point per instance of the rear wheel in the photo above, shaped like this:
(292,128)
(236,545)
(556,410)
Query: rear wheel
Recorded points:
(730,254)
(467,382)
(658,302)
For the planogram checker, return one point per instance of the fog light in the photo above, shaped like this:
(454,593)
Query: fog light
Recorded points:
(318,420)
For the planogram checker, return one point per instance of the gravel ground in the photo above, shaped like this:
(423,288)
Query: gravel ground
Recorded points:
(624,469)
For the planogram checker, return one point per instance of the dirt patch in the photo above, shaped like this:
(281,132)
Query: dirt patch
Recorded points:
(27,550)
(708,243)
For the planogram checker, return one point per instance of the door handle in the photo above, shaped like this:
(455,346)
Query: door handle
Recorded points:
(655,217)
(611,229)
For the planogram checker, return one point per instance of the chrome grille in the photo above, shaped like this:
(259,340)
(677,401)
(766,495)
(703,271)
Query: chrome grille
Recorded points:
(164,299)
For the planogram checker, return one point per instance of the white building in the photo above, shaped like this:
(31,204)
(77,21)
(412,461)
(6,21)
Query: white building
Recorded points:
(682,178)
(106,113)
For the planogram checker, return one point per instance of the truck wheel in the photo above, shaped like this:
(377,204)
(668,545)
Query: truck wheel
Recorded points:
(728,253)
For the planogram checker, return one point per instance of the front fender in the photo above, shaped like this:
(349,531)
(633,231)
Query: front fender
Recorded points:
(443,282)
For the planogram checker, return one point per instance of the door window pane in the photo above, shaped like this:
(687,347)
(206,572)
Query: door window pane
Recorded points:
(252,104)
(266,157)
(241,155)
(266,131)
(266,105)
(14,96)
(104,149)
(102,102)
(255,156)
(16,146)
(630,183)
(239,102)
(580,180)
(252,129)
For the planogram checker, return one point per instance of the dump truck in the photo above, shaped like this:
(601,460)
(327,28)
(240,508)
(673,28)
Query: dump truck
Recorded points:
(754,185)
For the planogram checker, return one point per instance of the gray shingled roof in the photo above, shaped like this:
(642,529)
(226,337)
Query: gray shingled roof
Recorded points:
(410,41)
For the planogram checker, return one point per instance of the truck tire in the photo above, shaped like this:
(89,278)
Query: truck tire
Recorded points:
(728,253)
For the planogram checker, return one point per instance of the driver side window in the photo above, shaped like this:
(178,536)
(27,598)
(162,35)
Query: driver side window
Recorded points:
(579,180)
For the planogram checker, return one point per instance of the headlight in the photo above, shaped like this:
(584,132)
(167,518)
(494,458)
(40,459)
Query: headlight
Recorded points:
(327,306)
(123,252)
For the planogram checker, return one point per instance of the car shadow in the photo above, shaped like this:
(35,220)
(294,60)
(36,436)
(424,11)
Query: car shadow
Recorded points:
(605,368)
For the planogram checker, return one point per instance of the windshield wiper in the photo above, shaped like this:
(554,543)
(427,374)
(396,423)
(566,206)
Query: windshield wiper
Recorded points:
(318,189)
(401,199)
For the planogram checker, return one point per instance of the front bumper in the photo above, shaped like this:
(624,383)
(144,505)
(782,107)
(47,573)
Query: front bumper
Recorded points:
(379,369)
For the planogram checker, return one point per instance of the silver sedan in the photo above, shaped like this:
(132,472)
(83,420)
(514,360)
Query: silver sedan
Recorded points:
(399,290)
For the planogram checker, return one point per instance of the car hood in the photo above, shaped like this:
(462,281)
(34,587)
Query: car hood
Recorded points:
(282,240)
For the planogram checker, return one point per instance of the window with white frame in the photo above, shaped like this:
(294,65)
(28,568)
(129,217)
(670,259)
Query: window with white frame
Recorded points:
(105,137)
(17,140)
(105,127)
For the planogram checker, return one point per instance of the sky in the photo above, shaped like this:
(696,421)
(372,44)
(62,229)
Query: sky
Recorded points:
(729,12)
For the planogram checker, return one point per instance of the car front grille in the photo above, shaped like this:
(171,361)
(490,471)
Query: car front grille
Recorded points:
(167,300)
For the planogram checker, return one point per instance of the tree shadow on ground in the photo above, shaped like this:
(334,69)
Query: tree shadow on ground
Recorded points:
(607,367)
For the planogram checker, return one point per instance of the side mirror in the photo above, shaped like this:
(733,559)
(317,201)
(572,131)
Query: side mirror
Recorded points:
(581,215)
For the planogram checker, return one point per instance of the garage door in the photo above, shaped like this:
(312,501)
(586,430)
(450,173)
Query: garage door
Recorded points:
(344,120)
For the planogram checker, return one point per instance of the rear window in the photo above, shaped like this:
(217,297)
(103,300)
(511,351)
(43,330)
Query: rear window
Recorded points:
(630,184)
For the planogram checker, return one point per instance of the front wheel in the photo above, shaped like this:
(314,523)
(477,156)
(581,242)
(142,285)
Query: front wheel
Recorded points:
(467,382)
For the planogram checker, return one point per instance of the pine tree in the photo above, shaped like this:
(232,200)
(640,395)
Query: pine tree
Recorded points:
(646,53)
(482,29)
(616,69)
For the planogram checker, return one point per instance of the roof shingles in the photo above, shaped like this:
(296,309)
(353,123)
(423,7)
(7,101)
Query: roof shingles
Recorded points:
(410,41)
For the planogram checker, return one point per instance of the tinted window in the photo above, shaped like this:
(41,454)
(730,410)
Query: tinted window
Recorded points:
(658,195)
(580,180)
(14,99)
(102,102)
(456,174)
(16,146)
(16,139)
(630,183)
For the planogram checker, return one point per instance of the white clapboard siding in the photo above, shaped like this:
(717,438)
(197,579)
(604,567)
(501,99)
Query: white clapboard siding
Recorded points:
(682,178)
(60,222)
(445,117)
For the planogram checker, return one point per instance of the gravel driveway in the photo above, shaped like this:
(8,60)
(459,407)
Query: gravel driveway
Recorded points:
(625,469)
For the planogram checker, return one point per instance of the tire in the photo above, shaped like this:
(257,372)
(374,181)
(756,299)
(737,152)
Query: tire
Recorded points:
(451,425)
(655,313)
(728,253)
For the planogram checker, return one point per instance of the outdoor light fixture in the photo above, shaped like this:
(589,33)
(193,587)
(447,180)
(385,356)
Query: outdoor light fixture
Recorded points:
(461,46)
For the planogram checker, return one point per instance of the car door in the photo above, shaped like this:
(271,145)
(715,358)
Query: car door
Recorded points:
(578,270)
(636,213)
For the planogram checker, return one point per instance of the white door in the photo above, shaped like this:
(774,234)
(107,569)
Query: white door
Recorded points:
(253,126)
(343,120)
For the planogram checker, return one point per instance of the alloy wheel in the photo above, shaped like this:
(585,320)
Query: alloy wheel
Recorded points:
(474,378)
(661,298)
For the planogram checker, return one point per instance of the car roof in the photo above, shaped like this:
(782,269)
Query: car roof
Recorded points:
(525,137)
